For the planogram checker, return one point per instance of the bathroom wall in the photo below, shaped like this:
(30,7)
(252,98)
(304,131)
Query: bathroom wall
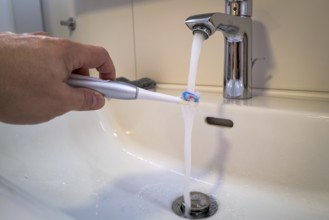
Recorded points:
(149,38)
(100,22)
(20,16)
(7,22)
(291,36)
(28,16)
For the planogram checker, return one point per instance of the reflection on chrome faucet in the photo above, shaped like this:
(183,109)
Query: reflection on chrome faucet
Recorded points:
(236,26)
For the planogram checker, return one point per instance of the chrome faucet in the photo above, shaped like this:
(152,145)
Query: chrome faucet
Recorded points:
(236,26)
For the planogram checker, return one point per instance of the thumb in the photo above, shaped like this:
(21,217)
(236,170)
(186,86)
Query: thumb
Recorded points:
(86,99)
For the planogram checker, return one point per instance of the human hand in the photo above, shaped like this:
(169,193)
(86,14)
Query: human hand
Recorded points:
(34,70)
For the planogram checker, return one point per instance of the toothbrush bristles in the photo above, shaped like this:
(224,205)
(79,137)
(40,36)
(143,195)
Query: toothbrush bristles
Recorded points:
(191,96)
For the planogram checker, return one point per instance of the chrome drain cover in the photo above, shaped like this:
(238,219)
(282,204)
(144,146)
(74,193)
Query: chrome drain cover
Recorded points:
(202,206)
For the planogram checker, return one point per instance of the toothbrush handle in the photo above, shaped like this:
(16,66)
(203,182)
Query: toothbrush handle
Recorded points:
(110,89)
(119,90)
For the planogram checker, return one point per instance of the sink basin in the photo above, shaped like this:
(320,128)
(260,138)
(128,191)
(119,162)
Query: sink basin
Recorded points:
(126,161)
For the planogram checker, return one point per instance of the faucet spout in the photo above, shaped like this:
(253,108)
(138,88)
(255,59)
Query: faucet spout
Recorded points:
(237,31)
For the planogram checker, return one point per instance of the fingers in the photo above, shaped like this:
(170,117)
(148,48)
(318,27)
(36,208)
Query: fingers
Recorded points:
(40,33)
(82,58)
(7,33)
(36,33)
(87,57)
(81,71)
(83,99)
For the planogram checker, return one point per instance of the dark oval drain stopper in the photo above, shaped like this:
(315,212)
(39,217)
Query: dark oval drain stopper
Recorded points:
(202,206)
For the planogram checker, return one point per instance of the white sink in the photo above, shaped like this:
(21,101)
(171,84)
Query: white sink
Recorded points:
(126,161)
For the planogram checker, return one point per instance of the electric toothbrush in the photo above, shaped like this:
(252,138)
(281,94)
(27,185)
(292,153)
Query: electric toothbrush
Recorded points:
(126,91)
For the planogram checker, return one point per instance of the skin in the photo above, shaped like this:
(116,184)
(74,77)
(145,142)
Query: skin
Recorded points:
(34,69)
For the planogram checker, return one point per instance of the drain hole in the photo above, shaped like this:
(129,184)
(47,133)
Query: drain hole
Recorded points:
(202,206)
(219,122)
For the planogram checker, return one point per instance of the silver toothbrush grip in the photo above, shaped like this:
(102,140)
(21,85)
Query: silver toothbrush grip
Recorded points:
(110,89)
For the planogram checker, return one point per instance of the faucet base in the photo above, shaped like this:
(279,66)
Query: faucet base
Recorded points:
(234,89)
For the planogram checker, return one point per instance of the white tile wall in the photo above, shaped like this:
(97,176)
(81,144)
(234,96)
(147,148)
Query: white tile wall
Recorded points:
(99,22)
(109,24)
(20,16)
(163,42)
(149,38)
(28,17)
(7,21)
(291,35)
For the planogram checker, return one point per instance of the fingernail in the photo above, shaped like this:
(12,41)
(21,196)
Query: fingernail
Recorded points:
(98,101)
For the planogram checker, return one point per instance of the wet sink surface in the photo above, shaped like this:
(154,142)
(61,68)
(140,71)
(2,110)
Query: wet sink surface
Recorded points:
(126,161)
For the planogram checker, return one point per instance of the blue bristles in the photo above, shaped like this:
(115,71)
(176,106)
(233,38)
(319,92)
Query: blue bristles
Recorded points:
(191,97)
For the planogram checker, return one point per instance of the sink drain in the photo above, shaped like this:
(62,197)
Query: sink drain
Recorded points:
(202,206)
